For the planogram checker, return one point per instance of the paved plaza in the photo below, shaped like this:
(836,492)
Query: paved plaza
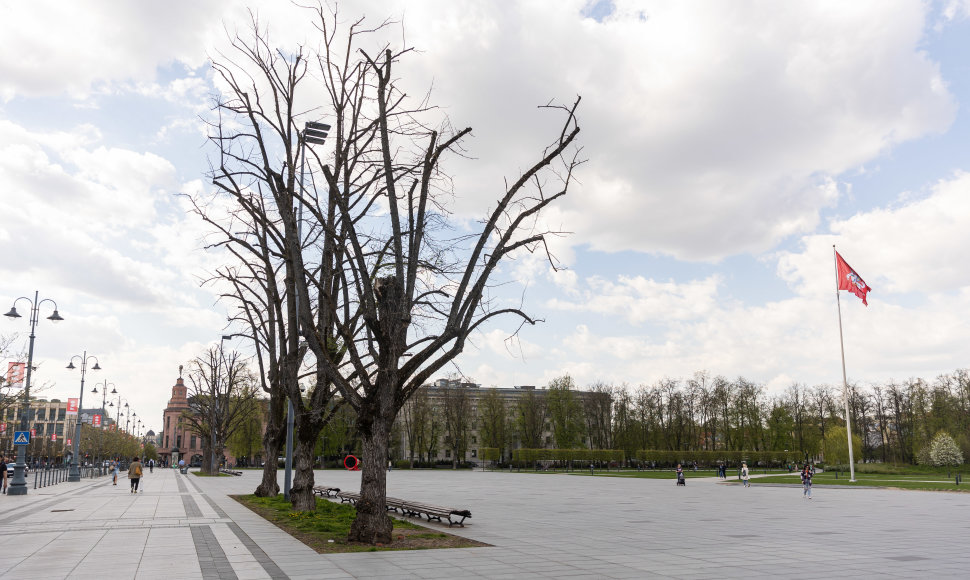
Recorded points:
(539,526)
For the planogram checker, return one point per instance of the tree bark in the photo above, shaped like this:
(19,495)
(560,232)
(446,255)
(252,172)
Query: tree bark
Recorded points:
(306,433)
(372,524)
(273,440)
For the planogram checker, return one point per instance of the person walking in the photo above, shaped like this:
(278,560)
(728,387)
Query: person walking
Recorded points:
(680,475)
(807,482)
(134,474)
(151,466)
(114,472)
(3,473)
(744,474)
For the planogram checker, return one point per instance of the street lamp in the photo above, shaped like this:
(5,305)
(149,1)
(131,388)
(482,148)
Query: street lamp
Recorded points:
(213,463)
(104,397)
(118,413)
(19,484)
(315,134)
(75,473)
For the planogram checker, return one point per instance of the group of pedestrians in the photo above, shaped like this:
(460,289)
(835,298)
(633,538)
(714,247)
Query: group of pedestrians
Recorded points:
(745,475)
(135,472)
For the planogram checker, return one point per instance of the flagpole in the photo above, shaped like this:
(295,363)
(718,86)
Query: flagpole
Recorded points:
(845,382)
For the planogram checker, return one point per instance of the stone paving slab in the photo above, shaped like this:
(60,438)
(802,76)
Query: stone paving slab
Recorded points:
(539,525)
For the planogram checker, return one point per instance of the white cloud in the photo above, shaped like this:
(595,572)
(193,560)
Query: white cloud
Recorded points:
(49,47)
(709,130)
(915,245)
(637,299)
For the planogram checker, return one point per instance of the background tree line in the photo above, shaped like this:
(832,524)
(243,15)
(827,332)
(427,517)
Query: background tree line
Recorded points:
(894,421)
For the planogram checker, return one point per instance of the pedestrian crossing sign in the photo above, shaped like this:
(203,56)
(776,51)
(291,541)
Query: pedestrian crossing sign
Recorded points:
(21,437)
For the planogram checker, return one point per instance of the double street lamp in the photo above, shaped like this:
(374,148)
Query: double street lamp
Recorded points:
(75,473)
(104,397)
(118,411)
(19,484)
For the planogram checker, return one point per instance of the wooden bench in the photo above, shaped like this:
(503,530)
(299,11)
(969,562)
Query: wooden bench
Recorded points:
(230,472)
(324,491)
(413,508)
(434,512)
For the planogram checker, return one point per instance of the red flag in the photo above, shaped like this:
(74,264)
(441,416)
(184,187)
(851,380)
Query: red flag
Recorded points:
(849,280)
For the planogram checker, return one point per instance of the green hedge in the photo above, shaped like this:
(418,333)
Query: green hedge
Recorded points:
(599,455)
(489,453)
(666,458)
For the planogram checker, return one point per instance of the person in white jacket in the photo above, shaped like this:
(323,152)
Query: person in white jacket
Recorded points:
(744,474)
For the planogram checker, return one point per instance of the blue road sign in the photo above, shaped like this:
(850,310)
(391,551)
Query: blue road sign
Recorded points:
(21,437)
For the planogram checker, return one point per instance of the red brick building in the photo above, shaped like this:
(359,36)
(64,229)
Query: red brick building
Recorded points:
(178,440)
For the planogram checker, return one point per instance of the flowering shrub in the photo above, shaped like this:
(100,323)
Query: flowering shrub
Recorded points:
(944,451)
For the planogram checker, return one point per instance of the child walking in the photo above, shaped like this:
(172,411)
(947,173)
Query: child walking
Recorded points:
(807,482)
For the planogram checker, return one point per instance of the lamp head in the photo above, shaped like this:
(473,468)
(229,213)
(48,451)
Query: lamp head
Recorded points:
(71,366)
(114,391)
(13,312)
(96,366)
(95,390)
(55,317)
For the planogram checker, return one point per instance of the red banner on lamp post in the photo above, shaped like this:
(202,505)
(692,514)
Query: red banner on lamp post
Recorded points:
(53,436)
(72,406)
(96,420)
(15,374)
(33,433)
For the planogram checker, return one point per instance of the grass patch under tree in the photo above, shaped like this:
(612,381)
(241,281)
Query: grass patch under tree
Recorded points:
(326,529)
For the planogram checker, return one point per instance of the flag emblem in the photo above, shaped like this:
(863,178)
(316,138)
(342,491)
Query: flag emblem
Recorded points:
(850,280)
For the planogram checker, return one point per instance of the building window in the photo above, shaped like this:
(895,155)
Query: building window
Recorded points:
(447,453)
(60,430)
(62,413)
(475,451)
(166,442)
(42,414)
(192,446)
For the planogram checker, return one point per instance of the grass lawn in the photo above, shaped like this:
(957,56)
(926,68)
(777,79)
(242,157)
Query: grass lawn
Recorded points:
(326,529)
(653,473)
(927,481)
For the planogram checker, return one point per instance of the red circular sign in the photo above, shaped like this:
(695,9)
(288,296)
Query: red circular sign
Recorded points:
(353,467)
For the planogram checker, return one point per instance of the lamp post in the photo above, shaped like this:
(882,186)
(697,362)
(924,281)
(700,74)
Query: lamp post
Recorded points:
(315,134)
(213,463)
(104,397)
(118,413)
(19,484)
(75,474)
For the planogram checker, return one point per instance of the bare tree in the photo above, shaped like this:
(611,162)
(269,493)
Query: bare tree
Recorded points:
(456,405)
(363,249)
(494,421)
(530,415)
(598,413)
(222,391)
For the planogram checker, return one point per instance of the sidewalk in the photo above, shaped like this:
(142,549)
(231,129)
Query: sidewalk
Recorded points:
(540,526)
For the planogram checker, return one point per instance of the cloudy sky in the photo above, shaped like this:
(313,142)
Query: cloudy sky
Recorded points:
(729,146)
